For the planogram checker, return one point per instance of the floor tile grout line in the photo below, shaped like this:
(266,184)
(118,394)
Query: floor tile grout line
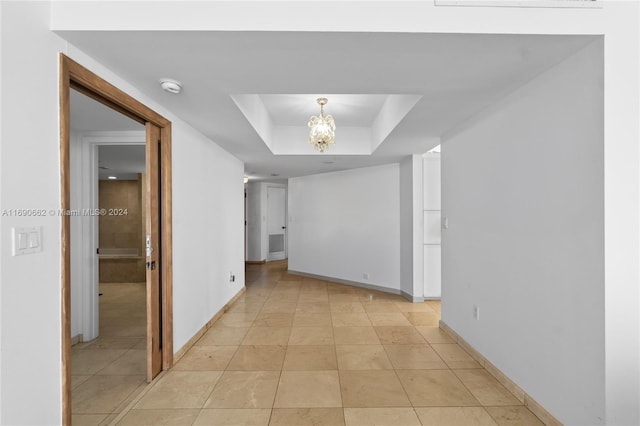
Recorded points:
(132,404)
(335,352)
(275,394)
(404,389)
(453,370)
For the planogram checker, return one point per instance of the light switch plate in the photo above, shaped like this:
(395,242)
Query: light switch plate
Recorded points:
(26,240)
(34,239)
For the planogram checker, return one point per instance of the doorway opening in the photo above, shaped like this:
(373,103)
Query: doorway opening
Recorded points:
(108,283)
(277,222)
(157,256)
(266,232)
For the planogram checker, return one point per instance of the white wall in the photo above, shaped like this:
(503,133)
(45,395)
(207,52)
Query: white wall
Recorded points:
(622,212)
(411,228)
(524,193)
(207,217)
(30,284)
(208,230)
(345,224)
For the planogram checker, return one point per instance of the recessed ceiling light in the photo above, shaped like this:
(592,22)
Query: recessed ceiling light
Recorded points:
(112,177)
(170,85)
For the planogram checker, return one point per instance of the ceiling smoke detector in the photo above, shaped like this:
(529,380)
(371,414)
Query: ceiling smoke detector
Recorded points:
(171,86)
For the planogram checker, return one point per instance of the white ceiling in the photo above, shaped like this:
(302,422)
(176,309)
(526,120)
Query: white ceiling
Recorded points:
(88,115)
(455,75)
(295,109)
(121,161)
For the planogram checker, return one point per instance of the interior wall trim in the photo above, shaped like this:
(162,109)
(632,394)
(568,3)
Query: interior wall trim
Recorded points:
(348,282)
(198,334)
(412,298)
(534,406)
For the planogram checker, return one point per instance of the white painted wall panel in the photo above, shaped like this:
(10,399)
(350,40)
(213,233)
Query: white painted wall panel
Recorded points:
(432,227)
(431,181)
(432,271)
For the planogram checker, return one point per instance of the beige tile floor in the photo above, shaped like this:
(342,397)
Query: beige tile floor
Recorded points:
(108,372)
(300,351)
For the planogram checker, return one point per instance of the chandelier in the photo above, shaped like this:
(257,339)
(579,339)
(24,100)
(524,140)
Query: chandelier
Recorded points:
(322,130)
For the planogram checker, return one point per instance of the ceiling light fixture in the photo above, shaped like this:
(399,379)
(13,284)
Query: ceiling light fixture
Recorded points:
(171,86)
(111,177)
(322,130)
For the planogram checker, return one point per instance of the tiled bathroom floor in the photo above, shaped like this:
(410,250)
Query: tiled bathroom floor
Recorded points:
(108,372)
(297,351)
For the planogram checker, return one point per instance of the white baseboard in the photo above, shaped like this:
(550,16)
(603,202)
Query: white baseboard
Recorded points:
(183,350)
(535,407)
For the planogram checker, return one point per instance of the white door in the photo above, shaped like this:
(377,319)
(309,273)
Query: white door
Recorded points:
(276,223)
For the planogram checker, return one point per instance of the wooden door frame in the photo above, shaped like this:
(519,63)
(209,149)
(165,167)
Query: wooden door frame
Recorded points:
(73,75)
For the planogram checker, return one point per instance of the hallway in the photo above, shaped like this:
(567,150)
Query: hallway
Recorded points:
(295,351)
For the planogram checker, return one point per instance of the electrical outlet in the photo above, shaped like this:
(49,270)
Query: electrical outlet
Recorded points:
(232,278)
(476,312)
(365,276)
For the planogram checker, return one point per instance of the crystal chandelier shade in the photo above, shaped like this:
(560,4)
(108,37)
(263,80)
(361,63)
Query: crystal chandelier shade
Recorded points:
(322,130)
